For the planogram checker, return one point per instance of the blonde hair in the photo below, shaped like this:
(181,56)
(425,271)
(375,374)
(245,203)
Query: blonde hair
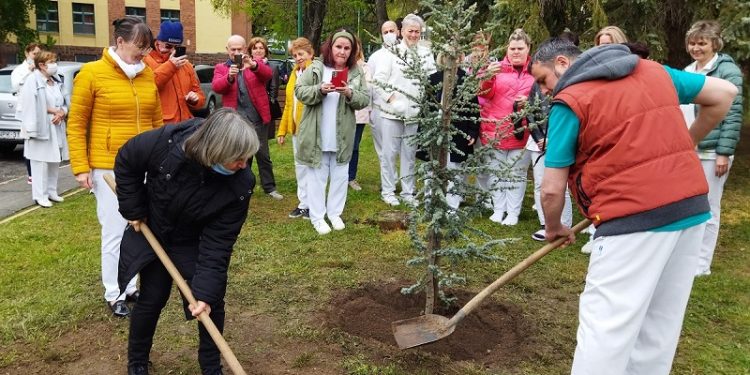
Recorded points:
(706,29)
(614,33)
(303,44)
(224,137)
(519,34)
(43,56)
(360,54)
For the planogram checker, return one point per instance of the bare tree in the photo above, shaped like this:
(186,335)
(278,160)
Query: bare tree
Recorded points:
(381,12)
(313,17)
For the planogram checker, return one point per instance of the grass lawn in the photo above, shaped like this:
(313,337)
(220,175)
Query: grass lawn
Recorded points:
(284,277)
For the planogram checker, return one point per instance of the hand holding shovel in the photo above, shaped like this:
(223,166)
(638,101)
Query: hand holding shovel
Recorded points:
(432,327)
(203,317)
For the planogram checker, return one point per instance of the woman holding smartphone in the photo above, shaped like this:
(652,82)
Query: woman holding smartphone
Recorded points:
(179,89)
(326,132)
(241,81)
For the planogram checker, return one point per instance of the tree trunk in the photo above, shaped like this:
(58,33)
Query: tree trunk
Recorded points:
(431,287)
(314,14)
(434,235)
(677,20)
(381,12)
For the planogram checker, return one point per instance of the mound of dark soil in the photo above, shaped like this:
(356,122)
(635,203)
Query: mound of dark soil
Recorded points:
(493,333)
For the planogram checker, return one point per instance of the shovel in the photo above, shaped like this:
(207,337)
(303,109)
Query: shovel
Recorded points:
(204,318)
(431,327)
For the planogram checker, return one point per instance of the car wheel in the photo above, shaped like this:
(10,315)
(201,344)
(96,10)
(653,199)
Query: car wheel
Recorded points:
(7,148)
(211,107)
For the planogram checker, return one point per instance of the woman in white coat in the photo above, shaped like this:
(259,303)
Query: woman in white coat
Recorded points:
(43,127)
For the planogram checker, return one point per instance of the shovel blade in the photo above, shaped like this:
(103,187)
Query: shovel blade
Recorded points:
(421,330)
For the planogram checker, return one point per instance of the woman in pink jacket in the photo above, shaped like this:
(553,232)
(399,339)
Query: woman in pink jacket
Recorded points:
(505,92)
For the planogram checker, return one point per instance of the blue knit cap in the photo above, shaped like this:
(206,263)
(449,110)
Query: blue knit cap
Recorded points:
(170,32)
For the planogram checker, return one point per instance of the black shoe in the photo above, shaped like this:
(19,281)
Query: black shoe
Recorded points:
(137,370)
(296,212)
(133,297)
(119,309)
(305,214)
(213,372)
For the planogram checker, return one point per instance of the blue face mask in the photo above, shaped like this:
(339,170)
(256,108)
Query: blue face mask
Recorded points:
(218,168)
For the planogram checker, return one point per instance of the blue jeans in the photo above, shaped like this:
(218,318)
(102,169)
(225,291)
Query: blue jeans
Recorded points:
(355,153)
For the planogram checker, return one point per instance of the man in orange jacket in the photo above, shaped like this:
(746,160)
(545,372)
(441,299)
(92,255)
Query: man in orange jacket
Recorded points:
(175,77)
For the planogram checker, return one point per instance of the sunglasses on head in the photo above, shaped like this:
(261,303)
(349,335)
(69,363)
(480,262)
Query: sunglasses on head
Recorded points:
(169,45)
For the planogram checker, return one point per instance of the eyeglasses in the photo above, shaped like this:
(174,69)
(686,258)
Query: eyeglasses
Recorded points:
(144,50)
(169,46)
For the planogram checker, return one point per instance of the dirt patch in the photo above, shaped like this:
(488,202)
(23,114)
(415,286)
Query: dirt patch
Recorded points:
(497,336)
(494,334)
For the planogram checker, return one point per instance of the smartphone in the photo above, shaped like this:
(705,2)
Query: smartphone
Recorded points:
(179,51)
(238,61)
(340,77)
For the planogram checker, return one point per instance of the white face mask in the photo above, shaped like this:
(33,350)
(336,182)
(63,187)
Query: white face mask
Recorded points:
(390,39)
(52,69)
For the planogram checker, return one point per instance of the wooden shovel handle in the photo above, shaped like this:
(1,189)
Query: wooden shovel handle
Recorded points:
(512,273)
(204,318)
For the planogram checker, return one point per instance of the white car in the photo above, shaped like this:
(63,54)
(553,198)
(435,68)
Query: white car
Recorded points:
(10,128)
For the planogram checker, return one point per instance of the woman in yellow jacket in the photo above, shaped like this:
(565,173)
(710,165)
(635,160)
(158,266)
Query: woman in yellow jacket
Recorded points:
(302,52)
(114,99)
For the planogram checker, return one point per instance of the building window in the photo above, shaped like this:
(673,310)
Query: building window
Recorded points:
(84,58)
(47,20)
(138,12)
(83,18)
(170,15)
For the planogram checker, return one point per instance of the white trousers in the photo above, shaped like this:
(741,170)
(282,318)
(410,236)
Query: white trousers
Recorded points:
(715,191)
(453,199)
(316,181)
(377,138)
(395,141)
(113,226)
(507,195)
(538,168)
(44,183)
(631,310)
(299,173)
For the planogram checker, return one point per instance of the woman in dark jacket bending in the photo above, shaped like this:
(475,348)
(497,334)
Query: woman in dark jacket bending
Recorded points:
(195,200)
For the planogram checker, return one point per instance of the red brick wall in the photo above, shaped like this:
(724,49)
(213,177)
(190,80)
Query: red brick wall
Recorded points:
(153,15)
(241,25)
(115,10)
(8,54)
(68,53)
(187,18)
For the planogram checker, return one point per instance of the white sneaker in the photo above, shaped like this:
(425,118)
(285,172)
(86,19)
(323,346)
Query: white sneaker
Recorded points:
(410,200)
(510,220)
(322,227)
(44,203)
(497,217)
(540,235)
(275,195)
(390,200)
(337,223)
(586,249)
(56,198)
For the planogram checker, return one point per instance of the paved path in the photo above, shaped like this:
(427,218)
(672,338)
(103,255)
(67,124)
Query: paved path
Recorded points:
(15,194)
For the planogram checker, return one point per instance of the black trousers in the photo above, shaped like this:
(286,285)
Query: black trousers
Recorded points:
(156,285)
(263,157)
